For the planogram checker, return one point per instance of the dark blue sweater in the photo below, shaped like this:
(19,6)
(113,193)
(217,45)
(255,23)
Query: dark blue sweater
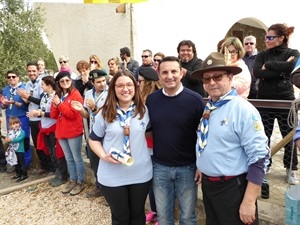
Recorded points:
(174,121)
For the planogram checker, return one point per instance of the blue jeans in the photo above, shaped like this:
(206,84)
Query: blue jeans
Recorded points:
(172,182)
(72,150)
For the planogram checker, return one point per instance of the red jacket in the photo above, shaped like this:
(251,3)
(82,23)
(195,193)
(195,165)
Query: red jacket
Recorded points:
(69,122)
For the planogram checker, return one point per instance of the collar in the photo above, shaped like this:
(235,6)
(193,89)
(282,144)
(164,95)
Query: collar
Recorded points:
(180,89)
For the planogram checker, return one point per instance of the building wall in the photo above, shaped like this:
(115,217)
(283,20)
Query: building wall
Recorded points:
(79,30)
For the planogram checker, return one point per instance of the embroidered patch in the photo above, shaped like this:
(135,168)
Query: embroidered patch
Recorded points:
(143,125)
(257,126)
(224,122)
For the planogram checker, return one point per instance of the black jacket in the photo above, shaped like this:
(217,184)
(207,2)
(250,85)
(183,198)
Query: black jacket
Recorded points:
(274,81)
(190,83)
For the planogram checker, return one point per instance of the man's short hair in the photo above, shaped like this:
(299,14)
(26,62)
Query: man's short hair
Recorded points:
(126,51)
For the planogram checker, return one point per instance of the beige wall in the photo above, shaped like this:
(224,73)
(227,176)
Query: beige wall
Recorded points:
(79,30)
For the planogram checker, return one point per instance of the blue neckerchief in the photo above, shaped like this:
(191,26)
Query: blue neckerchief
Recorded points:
(202,131)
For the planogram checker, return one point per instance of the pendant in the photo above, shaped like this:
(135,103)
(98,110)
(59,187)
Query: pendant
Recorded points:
(126,130)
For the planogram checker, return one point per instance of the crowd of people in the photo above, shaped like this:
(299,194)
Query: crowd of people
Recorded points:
(149,131)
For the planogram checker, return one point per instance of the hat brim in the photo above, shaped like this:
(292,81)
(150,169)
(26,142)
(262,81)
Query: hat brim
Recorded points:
(198,74)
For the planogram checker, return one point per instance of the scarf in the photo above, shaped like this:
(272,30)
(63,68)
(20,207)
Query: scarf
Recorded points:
(202,132)
(125,119)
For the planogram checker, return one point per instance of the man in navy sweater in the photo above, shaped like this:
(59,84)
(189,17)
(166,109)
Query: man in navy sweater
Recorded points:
(175,112)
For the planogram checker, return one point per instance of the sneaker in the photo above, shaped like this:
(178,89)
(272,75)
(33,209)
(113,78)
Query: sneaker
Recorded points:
(292,177)
(55,182)
(77,189)
(69,187)
(96,192)
(22,177)
(268,170)
(150,216)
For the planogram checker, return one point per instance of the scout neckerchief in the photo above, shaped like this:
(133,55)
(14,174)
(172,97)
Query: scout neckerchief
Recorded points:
(13,92)
(14,133)
(62,99)
(32,85)
(44,101)
(96,100)
(125,119)
(202,131)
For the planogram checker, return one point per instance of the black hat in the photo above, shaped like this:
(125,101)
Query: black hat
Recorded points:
(62,74)
(148,73)
(96,73)
(215,61)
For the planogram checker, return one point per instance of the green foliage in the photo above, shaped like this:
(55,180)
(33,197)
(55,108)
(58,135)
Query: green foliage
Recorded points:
(21,38)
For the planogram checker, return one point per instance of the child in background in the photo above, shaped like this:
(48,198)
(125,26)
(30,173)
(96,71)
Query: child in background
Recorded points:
(15,139)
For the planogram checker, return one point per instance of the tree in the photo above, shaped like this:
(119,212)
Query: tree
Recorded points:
(21,38)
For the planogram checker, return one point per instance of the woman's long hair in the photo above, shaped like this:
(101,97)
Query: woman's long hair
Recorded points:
(109,109)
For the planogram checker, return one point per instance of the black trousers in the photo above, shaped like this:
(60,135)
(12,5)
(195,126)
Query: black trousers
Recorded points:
(21,168)
(127,203)
(44,159)
(268,121)
(2,154)
(222,200)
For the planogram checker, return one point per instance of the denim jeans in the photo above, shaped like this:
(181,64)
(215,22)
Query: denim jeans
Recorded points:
(72,150)
(172,182)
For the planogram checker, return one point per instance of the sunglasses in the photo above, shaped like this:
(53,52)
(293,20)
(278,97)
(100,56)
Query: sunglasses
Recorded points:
(249,43)
(145,56)
(64,81)
(233,52)
(93,62)
(13,77)
(62,62)
(271,38)
(216,78)
(157,60)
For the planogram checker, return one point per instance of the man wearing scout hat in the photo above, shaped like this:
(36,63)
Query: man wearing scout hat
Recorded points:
(93,101)
(232,148)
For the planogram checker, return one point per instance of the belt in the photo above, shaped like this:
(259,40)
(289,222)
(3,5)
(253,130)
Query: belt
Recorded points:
(218,179)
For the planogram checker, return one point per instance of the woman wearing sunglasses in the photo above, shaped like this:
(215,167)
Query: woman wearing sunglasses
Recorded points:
(69,130)
(273,67)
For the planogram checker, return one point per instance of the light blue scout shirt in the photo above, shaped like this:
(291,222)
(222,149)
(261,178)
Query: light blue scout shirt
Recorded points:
(113,175)
(36,90)
(99,102)
(236,139)
(45,106)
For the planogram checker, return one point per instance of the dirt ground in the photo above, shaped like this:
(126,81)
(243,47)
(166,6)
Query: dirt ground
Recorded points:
(42,204)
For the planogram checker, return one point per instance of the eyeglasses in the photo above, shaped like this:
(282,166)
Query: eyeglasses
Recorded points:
(62,62)
(122,86)
(233,52)
(140,81)
(271,38)
(64,81)
(145,56)
(93,62)
(249,43)
(157,60)
(11,77)
(216,78)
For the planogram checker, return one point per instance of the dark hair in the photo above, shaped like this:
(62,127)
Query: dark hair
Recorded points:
(281,29)
(82,64)
(109,109)
(59,90)
(220,44)
(49,80)
(32,64)
(12,71)
(148,50)
(126,51)
(188,43)
(169,59)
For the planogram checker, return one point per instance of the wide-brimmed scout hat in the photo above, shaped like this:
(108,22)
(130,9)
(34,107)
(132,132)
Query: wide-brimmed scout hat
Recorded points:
(215,61)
